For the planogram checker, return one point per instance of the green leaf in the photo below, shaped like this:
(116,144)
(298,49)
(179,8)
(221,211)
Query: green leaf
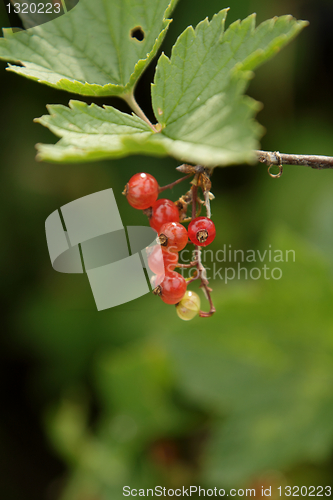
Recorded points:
(93,133)
(90,50)
(208,62)
(204,60)
(198,99)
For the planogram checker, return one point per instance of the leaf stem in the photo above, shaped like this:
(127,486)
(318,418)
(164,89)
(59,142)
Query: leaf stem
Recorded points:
(130,99)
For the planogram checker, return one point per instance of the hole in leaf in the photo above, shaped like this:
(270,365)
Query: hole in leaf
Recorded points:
(138,33)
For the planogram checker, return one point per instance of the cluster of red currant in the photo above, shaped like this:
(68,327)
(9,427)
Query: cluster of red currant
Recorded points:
(142,192)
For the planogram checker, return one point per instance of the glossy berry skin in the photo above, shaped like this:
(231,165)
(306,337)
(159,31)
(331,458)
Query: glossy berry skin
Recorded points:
(189,306)
(201,231)
(141,191)
(162,261)
(173,288)
(173,236)
(163,211)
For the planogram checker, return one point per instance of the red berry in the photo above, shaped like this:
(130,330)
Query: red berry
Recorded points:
(172,289)
(163,211)
(141,191)
(162,261)
(201,231)
(174,236)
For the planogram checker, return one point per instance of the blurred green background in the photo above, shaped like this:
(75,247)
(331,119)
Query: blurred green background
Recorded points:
(91,402)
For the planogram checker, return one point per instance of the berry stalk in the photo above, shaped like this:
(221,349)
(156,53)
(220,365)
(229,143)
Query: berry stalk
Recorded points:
(166,217)
(200,268)
(172,184)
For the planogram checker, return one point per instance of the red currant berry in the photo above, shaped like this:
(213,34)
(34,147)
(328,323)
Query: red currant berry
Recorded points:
(163,211)
(173,236)
(162,261)
(201,231)
(172,289)
(141,191)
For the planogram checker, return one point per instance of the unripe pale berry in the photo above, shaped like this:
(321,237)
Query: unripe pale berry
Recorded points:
(141,191)
(201,231)
(189,306)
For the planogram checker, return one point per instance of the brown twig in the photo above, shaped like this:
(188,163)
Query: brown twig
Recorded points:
(313,161)
(194,190)
(207,204)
